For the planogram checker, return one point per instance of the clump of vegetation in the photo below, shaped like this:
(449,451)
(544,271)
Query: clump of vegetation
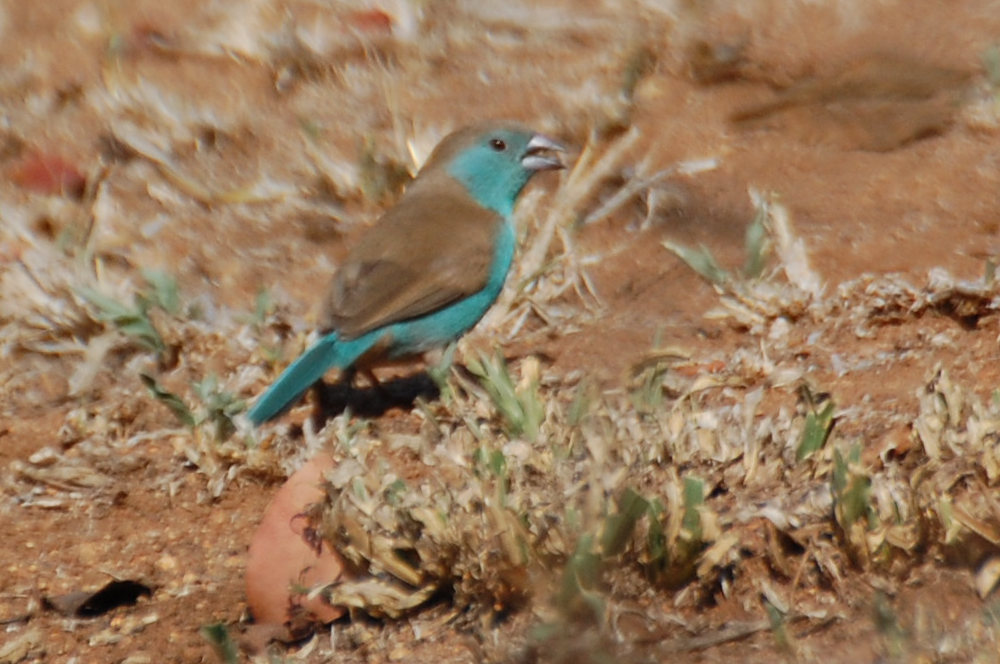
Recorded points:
(216,407)
(135,320)
(526,489)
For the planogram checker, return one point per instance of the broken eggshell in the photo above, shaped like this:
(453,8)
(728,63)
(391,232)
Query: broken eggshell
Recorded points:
(285,554)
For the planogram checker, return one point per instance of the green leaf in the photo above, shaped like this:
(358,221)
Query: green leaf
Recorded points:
(221,641)
(220,406)
(580,577)
(206,389)
(649,394)
(107,308)
(656,540)
(639,64)
(991,63)
(170,400)
(991,613)
(694,498)
(701,261)
(779,626)
(816,432)
(497,463)
(579,408)
(887,624)
(441,371)
(618,527)
(141,329)
(164,292)
(851,489)
(132,321)
(522,411)
(395,491)
(263,306)
(756,245)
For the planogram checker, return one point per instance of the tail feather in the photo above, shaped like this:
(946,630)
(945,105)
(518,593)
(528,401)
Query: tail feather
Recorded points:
(296,379)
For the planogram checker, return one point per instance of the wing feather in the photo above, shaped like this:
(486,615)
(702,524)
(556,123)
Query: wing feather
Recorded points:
(433,248)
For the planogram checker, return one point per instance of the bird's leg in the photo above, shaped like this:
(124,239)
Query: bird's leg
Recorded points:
(347,376)
(332,398)
(375,383)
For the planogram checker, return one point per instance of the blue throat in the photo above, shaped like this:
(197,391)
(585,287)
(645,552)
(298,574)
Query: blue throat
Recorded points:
(496,189)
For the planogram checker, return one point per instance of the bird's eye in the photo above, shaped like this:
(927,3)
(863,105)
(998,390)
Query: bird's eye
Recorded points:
(498,144)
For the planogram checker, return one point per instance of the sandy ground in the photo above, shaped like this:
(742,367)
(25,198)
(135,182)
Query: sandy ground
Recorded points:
(241,147)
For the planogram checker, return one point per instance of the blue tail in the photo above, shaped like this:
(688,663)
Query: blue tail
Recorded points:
(297,378)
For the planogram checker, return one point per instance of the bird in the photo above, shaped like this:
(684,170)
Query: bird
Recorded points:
(429,268)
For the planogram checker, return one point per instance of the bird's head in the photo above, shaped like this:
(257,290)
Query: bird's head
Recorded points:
(495,162)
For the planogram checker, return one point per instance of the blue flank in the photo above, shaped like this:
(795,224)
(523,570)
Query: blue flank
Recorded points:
(409,337)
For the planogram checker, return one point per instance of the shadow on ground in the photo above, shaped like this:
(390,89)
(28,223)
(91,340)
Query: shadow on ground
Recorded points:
(373,401)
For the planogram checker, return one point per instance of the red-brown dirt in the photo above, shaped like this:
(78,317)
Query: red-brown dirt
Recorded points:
(876,125)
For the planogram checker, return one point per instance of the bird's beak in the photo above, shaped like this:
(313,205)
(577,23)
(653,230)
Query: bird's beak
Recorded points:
(538,157)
